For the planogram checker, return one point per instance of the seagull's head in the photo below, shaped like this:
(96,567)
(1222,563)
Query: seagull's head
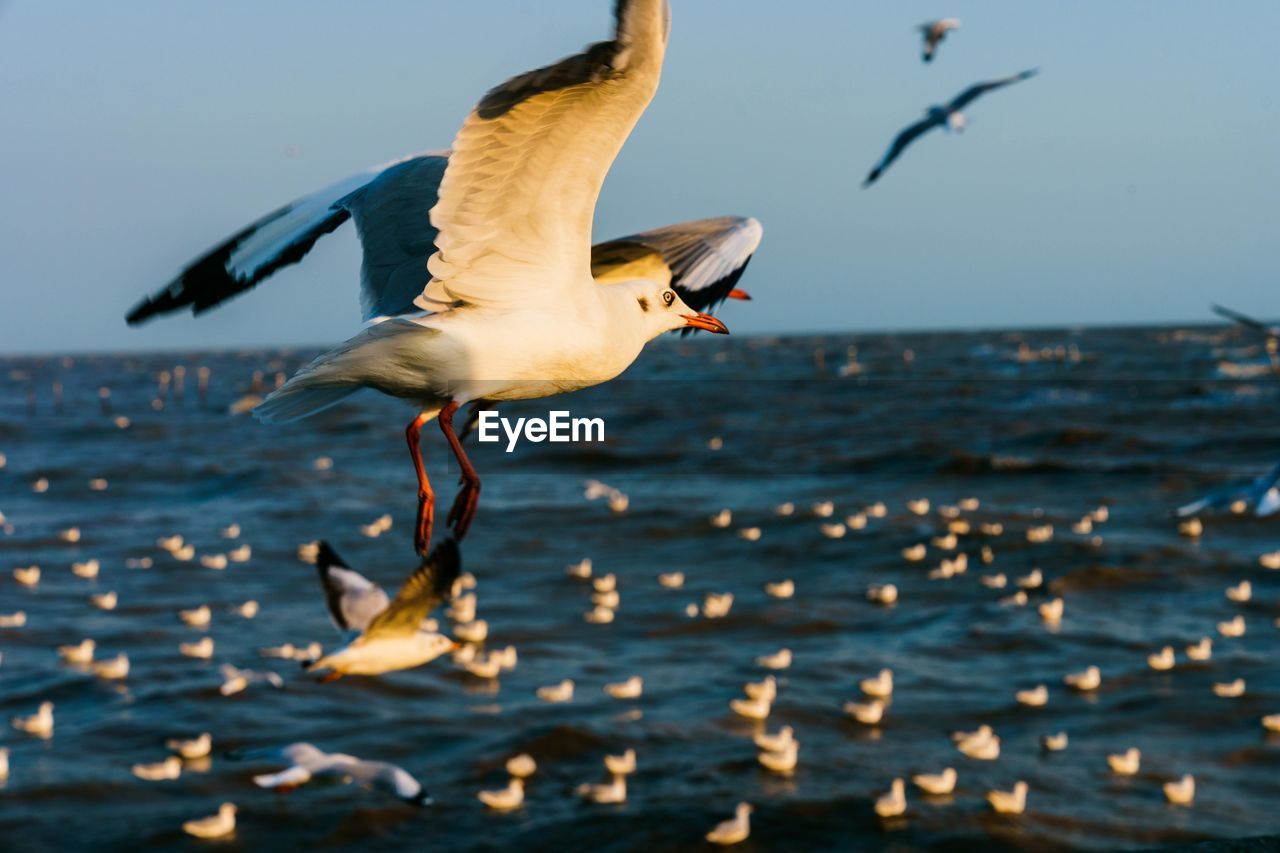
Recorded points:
(661,309)
(430,645)
(956,121)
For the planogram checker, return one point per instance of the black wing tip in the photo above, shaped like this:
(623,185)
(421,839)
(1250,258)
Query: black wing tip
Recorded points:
(871,178)
(446,563)
(326,557)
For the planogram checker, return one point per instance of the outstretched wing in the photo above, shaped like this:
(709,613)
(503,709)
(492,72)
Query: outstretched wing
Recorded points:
(425,589)
(968,96)
(703,259)
(393,217)
(1244,320)
(900,143)
(353,600)
(519,194)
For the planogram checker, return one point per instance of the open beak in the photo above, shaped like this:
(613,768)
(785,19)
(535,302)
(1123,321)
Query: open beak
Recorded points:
(740,294)
(705,322)
(455,646)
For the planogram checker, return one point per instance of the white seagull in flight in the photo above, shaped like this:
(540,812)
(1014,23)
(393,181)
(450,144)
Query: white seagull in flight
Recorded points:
(934,32)
(394,638)
(521,305)
(946,116)
(306,762)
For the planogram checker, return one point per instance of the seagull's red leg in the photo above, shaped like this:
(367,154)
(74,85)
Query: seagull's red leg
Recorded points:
(426,498)
(464,506)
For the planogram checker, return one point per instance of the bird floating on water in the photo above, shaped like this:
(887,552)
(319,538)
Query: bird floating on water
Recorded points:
(1202,650)
(504,799)
(632,688)
(780,659)
(893,803)
(1087,680)
(1054,742)
(557,693)
(610,793)
(1182,791)
(191,748)
(1163,660)
(735,830)
(39,724)
(1125,763)
(774,742)
(161,771)
(215,826)
(783,760)
(881,686)
(936,784)
(1009,802)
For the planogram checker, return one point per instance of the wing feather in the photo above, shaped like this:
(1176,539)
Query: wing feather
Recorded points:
(704,259)
(425,589)
(900,143)
(519,194)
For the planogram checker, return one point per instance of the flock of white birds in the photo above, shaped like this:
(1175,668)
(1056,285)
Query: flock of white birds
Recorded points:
(955,535)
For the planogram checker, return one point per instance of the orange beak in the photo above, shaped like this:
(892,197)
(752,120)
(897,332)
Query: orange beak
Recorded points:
(705,322)
(740,294)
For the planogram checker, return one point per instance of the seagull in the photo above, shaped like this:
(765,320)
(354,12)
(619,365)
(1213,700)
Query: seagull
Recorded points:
(1261,493)
(867,713)
(613,792)
(556,693)
(236,680)
(881,686)
(1084,681)
(766,689)
(1163,660)
(783,760)
(734,830)
(505,799)
(39,724)
(1125,763)
(934,32)
(780,659)
(938,784)
(621,765)
(1271,332)
(81,652)
(1009,802)
(1054,742)
(191,748)
(947,116)
(522,766)
(515,311)
(393,639)
(161,771)
(1182,791)
(775,742)
(632,688)
(306,762)
(893,803)
(1202,650)
(215,826)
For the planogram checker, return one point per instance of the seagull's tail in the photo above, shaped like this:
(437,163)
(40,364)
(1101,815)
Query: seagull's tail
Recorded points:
(370,359)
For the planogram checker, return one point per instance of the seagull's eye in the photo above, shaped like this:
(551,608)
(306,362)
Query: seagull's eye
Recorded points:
(668,297)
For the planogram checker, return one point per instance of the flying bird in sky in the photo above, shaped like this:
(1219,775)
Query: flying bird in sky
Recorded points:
(515,306)
(949,117)
(1272,332)
(934,32)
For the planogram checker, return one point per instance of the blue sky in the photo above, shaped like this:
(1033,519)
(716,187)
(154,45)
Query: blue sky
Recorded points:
(1134,181)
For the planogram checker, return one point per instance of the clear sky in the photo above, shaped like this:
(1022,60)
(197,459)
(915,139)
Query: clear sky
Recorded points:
(1134,181)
